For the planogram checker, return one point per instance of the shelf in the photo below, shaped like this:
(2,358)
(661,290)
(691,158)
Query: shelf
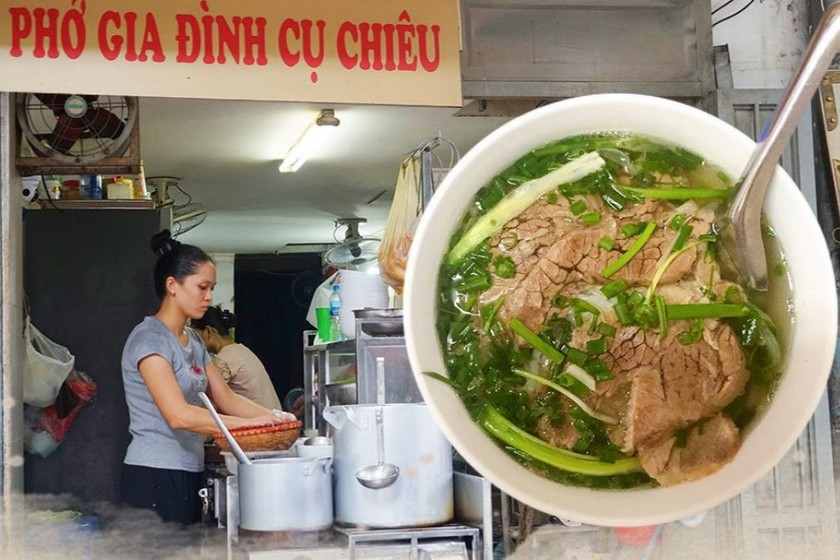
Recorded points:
(127,204)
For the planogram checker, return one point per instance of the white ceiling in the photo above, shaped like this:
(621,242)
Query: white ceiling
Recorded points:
(226,153)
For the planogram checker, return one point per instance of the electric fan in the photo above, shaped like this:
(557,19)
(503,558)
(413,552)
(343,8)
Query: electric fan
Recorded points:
(74,127)
(354,252)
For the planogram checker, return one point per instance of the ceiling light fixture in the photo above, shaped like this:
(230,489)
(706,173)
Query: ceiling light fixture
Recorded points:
(314,134)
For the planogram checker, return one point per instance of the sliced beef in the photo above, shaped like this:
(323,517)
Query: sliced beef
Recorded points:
(673,385)
(708,446)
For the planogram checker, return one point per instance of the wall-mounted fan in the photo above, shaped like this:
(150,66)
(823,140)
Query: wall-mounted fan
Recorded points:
(185,216)
(354,252)
(78,132)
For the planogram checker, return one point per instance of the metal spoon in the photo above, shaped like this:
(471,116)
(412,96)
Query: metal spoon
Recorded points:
(740,227)
(234,446)
(382,474)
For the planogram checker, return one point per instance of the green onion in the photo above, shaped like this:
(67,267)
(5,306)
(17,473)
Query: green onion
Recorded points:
(505,267)
(581,375)
(572,384)
(578,207)
(491,313)
(693,333)
(637,245)
(664,266)
(680,193)
(599,370)
(503,429)
(575,356)
(606,329)
(474,284)
(516,201)
(590,218)
(705,311)
(583,305)
(613,288)
(682,236)
(606,243)
(661,315)
(596,347)
(551,198)
(629,230)
(560,301)
(568,394)
(623,313)
(677,221)
(535,341)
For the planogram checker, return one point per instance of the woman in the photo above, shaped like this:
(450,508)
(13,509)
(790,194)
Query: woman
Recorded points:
(239,366)
(164,367)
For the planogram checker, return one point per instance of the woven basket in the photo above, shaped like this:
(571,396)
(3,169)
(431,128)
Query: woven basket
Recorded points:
(268,437)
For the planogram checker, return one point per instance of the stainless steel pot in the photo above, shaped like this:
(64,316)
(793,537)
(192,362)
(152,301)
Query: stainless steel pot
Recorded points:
(286,494)
(421,495)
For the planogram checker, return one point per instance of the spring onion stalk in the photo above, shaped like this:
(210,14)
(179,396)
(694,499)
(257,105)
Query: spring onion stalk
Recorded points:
(534,340)
(679,193)
(568,394)
(500,427)
(637,245)
(663,267)
(516,201)
(581,375)
(488,321)
(662,315)
(705,311)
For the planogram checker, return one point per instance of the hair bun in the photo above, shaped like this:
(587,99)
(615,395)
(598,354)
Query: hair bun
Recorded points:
(162,242)
(228,319)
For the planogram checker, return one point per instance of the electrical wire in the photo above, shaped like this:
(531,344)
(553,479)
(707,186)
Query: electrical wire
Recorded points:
(722,6)
(750,3)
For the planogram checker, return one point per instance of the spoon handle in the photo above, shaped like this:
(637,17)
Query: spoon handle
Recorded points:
(234,446)
(745,209)
(380,436)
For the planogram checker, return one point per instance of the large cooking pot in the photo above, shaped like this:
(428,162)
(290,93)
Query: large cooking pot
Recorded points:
(422,493)
(286,494)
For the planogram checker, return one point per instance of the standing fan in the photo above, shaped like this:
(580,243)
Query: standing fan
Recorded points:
(354,252)
(78,128)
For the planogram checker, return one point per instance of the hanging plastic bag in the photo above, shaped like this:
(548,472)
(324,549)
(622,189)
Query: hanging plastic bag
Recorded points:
(402,221)
(47,427)
(47,365)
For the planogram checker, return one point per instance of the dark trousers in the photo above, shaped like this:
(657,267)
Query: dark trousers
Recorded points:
(172,494)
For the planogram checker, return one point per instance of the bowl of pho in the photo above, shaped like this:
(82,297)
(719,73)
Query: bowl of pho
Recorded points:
(573,331)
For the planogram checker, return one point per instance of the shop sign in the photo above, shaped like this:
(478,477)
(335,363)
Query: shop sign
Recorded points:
(402,52)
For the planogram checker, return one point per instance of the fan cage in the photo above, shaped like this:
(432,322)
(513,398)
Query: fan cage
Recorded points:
(39,123)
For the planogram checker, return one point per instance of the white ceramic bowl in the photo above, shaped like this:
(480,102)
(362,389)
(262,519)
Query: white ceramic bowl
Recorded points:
(813,334)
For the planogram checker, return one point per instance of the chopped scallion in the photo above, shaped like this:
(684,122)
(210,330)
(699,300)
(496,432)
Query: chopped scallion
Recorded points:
(613,288)
(578,207)
(606,243)
(635,248)
(535,341)
(590,218)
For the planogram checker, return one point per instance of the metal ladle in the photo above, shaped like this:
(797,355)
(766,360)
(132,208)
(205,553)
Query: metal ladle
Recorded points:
(740,227)
(234,445)
(382,474)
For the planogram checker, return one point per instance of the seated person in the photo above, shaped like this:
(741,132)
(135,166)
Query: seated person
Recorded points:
(240,367)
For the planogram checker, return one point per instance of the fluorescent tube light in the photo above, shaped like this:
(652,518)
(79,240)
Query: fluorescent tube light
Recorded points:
(311,137)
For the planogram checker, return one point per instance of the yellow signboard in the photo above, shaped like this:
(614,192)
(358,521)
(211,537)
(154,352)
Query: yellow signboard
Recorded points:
(403,52)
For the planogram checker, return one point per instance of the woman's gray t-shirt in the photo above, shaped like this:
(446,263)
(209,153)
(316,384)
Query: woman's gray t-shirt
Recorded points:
(153,442)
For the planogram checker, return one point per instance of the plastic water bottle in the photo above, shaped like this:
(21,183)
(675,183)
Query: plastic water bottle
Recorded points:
(335,320)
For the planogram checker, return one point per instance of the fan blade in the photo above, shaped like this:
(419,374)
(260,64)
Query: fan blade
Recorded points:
(102,123)
(55,101)
(65,134)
